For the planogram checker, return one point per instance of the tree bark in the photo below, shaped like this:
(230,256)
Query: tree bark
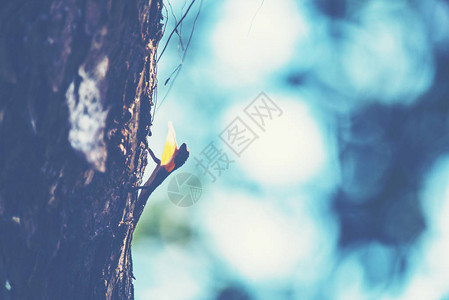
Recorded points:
(76,85)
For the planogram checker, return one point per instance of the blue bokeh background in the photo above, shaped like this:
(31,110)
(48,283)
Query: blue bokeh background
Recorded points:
(343,196)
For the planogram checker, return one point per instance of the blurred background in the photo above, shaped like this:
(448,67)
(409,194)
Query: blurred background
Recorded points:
(343,194)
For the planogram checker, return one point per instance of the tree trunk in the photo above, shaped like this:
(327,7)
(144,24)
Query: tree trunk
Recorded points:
(76,84)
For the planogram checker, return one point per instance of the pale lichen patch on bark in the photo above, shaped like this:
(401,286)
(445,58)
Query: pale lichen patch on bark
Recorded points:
(87,116)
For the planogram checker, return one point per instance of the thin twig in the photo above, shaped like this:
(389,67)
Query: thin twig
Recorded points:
(176,27)
(254,17)
(179,67)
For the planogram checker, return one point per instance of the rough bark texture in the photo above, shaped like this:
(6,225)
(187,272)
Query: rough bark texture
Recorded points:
(67,216)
